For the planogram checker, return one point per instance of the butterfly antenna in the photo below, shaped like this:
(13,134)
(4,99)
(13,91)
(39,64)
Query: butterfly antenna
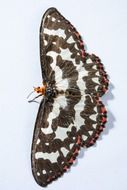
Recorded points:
(30,94)
(33,100)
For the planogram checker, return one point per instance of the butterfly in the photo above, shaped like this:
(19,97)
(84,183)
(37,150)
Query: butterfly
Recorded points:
(71,114)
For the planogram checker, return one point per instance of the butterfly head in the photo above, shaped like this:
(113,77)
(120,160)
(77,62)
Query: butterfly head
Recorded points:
(49,91)
(40,90)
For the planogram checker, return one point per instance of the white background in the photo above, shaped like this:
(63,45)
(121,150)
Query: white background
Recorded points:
(103,25)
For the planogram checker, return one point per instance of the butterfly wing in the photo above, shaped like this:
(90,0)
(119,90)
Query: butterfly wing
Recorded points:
(96,79)
(59,41)
(55,146)
(75,117)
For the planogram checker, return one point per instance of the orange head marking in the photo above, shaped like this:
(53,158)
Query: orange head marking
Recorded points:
(40,90)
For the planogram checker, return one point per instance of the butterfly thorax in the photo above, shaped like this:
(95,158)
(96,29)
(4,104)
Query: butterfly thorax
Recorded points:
(51,92)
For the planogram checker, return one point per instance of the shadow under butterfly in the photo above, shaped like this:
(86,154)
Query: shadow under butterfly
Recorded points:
(71,114)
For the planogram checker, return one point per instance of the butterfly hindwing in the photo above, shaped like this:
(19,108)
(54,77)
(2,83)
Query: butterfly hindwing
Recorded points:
(96,80)
(94,115)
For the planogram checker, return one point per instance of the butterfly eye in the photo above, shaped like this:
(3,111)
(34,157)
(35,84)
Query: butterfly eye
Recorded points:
(38,89)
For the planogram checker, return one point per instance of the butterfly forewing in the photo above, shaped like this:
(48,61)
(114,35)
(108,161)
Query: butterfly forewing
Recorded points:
(59,43)
(75,116)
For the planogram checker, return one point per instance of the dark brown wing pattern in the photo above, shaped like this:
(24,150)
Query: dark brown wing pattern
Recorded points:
(52,156)
(76,116)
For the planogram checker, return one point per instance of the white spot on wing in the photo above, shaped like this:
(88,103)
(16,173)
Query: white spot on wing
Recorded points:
(38,141)
(59,32)
(76,47)
(84,137)
(95,108)
(71,145)
(94,67)
(61,132)
(38,173)
(89,61)
(94,126)
(90,132)
(96,87)
(50,156)
(93,117)
(44,171)
(64,151)
(97,73)
(66,55)
(45,42)
(54,43)
(70,40)
(96,80)
(53,19)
